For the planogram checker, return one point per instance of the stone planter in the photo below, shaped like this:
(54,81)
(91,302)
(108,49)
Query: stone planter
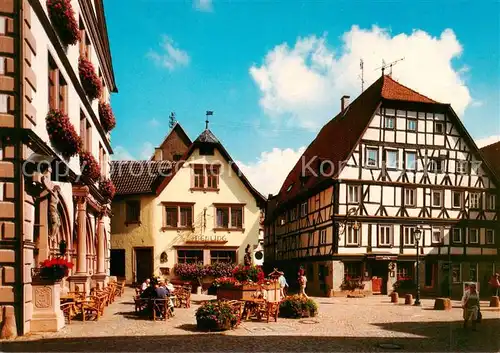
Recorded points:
(47,314)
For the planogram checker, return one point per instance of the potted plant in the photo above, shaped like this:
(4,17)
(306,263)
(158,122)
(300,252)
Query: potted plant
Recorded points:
(297,306)
(62,133)
(106,116)
(90,167)
(90,82)
(107,188)
(55,269)
(63,19)
(216,315)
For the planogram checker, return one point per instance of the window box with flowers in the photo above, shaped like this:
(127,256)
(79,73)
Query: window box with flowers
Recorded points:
(54,269)
(90,82)
(63,19)
(89,166)
(106,116)
(107,189)
(62,134)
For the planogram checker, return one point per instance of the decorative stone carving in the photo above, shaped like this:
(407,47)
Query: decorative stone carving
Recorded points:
(43,297)
(247,260)
(55,218)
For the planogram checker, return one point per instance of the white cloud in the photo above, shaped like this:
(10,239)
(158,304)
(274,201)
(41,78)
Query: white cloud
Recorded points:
(121,153)
(203,5)
(154,122)
(268,173)
(170,56)
(304,83)
(485,141)
(147,150)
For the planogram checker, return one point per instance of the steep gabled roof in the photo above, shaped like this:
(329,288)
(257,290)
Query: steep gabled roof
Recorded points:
(491,155)
(337,139)
(138,177)
(177,128)
(208,138)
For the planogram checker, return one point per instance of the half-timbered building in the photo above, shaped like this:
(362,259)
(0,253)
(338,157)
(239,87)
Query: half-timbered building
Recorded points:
(390,162)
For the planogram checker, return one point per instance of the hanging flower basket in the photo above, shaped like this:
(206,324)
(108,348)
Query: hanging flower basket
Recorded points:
(107,117)
(63,19)
(90,82)
(55,269)
(62,134)
(90,167)
(107,188)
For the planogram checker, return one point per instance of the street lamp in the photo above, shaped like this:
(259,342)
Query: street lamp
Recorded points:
(417,233)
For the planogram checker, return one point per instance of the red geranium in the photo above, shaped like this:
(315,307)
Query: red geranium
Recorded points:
(107,117)
(107,188)
(63,19)
(89,165)
(90,82)
(55,268)
(62,133)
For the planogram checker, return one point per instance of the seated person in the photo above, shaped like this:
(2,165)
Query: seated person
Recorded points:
(170,286)
(145,284)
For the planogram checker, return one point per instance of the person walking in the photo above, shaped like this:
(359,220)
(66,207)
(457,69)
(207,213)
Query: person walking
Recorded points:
(494,284)
(302,282)
(283,285)
(470,305)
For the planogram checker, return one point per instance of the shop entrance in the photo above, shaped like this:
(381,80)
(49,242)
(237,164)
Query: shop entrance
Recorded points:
(379,270)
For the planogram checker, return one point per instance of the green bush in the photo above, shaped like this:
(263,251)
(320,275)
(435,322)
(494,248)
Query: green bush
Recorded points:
(216,315)
(298,306)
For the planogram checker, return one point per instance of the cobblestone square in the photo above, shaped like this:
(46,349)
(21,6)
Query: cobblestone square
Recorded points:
(343,324)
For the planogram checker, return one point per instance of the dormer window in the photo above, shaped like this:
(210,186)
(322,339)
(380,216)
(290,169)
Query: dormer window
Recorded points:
(206,150)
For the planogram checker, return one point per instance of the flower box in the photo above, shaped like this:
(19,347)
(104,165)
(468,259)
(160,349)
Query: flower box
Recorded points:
(62,17)
(89,166)
(107,189)
(62,134)
(90,82)
(247,291)
(106,116)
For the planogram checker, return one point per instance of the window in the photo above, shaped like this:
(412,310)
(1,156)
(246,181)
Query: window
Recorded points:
(177,157)
(457,235)
(2,65)
(189,256)
(179,216)
(410,197)
(490,236)
(474,200)
(85,44)
(229,216)
(133,211)
(462,167)
(410,160)
(206,150)
(86,134)
(439,127)
(473,236)
(352,270)
(456,273)
(491,202)
(457,199)
(222,256)
(3,25)
(409,236)
(205,177)
(322,236)
(411,125)
(475,167)
(389,123)
(437,198)
(353,194)
(437,235)
(405,271)
(473,272)
(385,235)
(429,273)
(391,159)
(303,209)
(102,157)
(372,157)
(58,88)
(435,165)
(293,214)
(352,237)
(4,103)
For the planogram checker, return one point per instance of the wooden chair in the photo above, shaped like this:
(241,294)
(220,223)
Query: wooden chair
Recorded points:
(69,310)
(238,307)
(183,298)
(161,309)
(140,303)
(93,306)
(273,310)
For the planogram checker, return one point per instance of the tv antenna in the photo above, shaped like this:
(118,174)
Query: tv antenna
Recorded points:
(389,65)
(362,76)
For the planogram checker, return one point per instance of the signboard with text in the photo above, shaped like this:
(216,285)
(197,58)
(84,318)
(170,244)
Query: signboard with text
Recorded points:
(219,239)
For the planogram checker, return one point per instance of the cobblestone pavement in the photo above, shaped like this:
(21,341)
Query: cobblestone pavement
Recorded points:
(343,324)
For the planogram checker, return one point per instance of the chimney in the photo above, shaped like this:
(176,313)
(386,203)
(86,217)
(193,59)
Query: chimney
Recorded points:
(344,103)
(158,154)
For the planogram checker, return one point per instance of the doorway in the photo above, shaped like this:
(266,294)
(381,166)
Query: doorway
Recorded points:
(117,263)
(380,270)
(143,263)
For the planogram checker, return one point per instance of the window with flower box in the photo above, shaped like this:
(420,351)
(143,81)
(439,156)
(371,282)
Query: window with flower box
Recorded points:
(205,177)
(228,217)
(178,215)
(189,256)
(58,88)
(222,256)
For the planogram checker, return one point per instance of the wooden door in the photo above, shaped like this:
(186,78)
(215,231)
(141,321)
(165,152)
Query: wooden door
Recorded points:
(117,263)
(377,285)
(143,264)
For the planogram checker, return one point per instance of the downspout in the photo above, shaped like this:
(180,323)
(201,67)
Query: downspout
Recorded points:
(335,210)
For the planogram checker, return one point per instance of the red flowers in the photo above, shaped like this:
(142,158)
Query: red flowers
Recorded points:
(107,117)
(89,165)
(249,273)
(107,188)
(55,268)
(63,19)
(62,134)
(90,82)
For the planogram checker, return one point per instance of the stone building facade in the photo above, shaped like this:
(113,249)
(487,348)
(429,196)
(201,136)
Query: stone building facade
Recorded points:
(44,198)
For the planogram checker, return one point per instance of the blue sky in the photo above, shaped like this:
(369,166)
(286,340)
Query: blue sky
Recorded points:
(273,71)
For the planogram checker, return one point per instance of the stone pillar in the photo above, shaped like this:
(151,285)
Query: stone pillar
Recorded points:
(80,280)
(101,277)
(47,314)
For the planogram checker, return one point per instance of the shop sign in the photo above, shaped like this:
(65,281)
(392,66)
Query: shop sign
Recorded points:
(207,239)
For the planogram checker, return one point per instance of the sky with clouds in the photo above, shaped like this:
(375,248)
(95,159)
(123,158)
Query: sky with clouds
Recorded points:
(274,72)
